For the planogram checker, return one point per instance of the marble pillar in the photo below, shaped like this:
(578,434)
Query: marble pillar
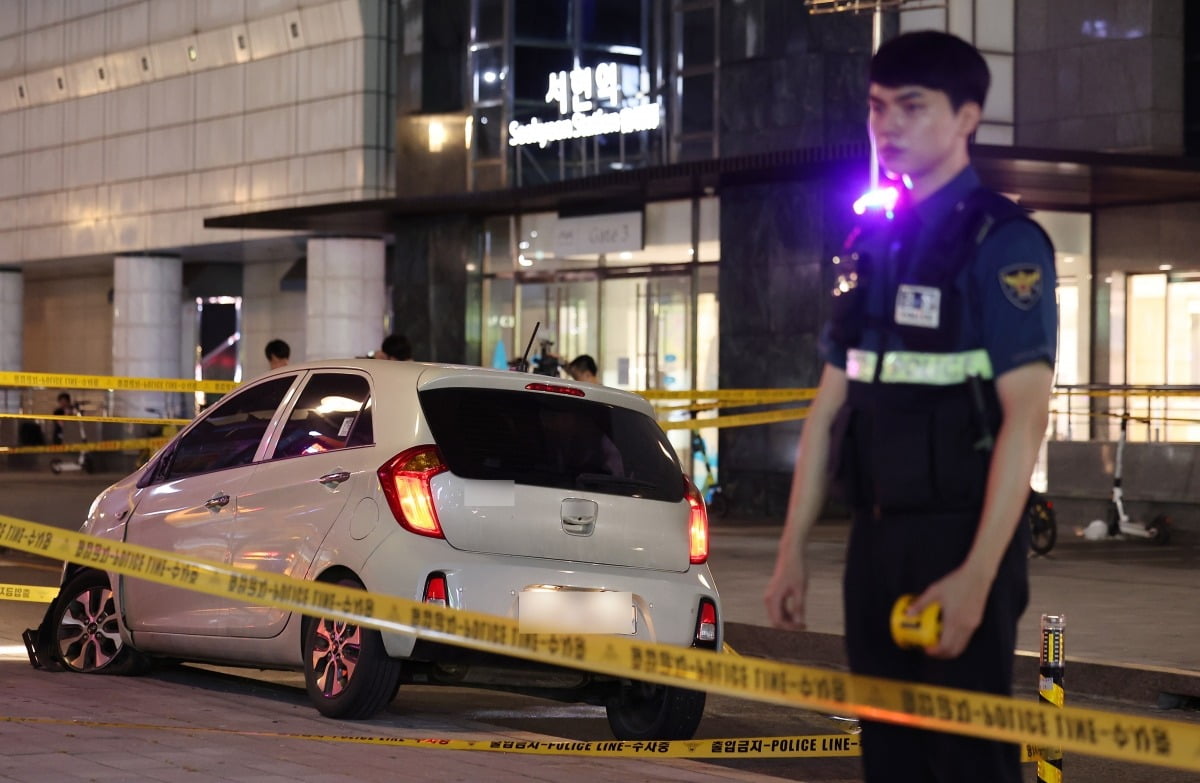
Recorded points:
(345,297)
(146,326)
(12,296)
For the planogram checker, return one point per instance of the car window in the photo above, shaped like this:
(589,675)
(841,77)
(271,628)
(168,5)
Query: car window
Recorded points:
(229,435)
(324,416)
(552,440)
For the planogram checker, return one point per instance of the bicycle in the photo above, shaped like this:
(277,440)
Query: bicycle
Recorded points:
(1043,523)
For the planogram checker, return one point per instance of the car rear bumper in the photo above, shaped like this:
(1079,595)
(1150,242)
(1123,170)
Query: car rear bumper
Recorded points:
(664,603)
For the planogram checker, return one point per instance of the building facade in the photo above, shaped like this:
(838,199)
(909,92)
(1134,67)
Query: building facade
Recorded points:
(656,183)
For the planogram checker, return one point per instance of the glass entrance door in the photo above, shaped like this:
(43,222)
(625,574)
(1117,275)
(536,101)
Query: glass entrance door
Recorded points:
(647,333)
(567,312)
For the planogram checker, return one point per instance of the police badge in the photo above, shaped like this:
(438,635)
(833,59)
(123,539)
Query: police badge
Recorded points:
(1022,284)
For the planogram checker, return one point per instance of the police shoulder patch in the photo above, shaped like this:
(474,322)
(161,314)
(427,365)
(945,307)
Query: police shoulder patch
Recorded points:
(1022,284)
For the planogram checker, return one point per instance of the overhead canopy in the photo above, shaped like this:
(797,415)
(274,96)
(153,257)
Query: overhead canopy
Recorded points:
(1044,179)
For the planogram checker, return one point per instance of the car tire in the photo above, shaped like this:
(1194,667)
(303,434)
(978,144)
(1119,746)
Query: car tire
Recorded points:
(87,634)
(347,671)
(642,711)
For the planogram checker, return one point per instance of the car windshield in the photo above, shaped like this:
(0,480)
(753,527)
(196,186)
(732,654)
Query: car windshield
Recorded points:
(552,440)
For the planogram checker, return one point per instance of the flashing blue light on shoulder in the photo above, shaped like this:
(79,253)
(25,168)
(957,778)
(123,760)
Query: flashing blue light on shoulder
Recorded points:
(880,198)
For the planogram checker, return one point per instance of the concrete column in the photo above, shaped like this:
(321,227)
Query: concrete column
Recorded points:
(146,325)
(12,296)
(345,297)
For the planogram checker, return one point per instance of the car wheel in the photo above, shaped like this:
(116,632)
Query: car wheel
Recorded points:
(644,711)
(347,672)
(86,630)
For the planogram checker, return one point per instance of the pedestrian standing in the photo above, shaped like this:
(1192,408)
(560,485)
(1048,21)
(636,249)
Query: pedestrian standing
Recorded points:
(278,353)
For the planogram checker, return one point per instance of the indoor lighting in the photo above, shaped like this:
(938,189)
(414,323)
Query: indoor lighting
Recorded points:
(1164,267)
(437,136)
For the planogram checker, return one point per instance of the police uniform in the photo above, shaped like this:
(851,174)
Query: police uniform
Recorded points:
(931,306)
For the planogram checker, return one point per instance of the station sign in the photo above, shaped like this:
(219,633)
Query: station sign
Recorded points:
(608,98)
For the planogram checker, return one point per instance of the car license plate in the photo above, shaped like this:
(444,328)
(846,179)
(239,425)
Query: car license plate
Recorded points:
(576,611)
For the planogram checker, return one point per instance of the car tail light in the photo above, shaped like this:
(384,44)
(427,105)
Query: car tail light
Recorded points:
(435,590)
(706,624)
(405,480)
(697,524)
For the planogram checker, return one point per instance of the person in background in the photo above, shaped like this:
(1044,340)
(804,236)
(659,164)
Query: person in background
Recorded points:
(65,408)
(583,368)
(278,353)
(395,347)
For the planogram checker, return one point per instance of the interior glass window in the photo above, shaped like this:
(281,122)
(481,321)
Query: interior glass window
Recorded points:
(363,433)
(229,435)
(324,415)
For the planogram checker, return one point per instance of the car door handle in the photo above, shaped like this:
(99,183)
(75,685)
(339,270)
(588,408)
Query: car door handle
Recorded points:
(216,502)
(335,478)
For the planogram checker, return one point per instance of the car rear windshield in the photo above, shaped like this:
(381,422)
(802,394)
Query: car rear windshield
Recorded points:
(551,440)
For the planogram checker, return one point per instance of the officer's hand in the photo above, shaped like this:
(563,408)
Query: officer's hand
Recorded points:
(786,591)
(962,594)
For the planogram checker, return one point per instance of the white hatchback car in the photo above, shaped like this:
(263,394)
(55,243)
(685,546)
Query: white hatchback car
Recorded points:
(512,494)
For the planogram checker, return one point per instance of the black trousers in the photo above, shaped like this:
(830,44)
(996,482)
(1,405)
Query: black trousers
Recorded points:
(890,557)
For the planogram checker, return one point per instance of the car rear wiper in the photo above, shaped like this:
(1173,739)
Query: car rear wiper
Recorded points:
(608,480)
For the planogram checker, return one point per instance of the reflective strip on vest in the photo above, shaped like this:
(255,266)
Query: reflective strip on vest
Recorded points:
(929,369)
(860,365)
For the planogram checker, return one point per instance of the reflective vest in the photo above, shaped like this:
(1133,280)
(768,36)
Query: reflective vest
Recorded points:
(915,433)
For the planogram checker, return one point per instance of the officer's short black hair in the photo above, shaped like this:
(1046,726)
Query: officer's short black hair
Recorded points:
(936,61)
(278,349)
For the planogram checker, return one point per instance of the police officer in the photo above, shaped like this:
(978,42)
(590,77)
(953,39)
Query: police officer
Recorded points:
(931,407)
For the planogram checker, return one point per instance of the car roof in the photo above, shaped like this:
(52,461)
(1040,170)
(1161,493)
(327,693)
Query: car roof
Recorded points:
(430,375)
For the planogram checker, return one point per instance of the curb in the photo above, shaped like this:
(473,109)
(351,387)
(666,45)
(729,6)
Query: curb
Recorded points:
(1146,685)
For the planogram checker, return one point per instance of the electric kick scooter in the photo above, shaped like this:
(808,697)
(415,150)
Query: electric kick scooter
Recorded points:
(1119,525)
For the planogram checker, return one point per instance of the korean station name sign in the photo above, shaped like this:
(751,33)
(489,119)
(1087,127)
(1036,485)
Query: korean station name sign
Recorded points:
(591,102)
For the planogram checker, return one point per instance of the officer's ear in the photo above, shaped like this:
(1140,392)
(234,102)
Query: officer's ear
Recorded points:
(969,116)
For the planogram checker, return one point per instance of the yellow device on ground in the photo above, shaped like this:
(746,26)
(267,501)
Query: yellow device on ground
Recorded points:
(920,630)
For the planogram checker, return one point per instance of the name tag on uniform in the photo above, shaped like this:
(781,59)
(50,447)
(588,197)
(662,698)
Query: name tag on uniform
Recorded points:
(918,305)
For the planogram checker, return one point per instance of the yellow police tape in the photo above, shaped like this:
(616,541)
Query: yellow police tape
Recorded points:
(736,420)
(815,745)
(790,747)
(1111,735)
(102,419)
(129,444)
(743,396)
(35,593)
(46,380)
